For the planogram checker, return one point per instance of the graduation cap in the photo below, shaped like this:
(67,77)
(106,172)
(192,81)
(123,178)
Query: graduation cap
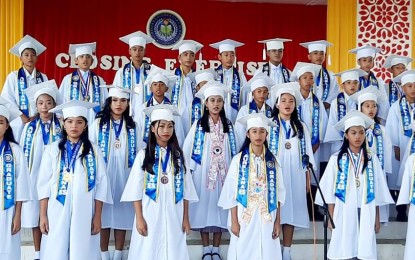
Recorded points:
(74,108)
(273,44)
(226,45)
(353,118)
(161,112)
(27,42)
(213,88)
(369,93)
(353,74)
(365,51)
(260,80)
(47,87)
(82,48)
(303,67)
(256,120)
(405,77)
(393,60)
(7,111)
(292,88)
(202,75)
(161,76)
(320,45)
(137,38)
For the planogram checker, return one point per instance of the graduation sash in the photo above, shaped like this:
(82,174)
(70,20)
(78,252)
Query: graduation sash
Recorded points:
(284,70)
(152,180)
(55,129)
(236,86)
(394,92)
(254,109)
(22,86)
(104,141)
(370,81)
(315,119)
(199,141)
(67,165)
(196,110)
(177,89)
(377,133)
(147,123)
(342,179)
(243,179)
(341,106)
(405,117)
(326,82)
(127,78)
(78,86)
(275,138)
(9,175)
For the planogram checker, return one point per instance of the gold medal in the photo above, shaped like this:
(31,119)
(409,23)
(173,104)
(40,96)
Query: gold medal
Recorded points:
(357,183)
(67,177)
(117,143)
(164,179)
(87,98)
(288,145)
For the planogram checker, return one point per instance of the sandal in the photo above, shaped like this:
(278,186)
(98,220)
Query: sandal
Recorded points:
(207,254)
(216,255)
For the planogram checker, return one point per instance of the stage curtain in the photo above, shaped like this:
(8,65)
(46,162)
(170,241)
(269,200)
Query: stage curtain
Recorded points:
(11,31)
(341,31)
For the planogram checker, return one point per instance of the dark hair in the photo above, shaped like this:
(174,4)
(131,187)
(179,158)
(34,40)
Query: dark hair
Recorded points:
(177,153)
(343,150)
(376,119)
(105,114)
(204,120)
(83,138)
(247,142)
(37,115)
(294,122)
(8,135)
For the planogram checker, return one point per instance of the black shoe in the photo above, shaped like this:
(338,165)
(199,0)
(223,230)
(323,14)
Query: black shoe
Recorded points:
(207,256)
(402,217)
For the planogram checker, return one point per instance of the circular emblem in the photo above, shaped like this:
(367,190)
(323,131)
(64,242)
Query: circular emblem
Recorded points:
(8,158)
(164,180)
(377,131)
(315,104)
(288,145)
(217,150)
(341,100)
(75,78)
(166,28)
(369,156)
(270,164)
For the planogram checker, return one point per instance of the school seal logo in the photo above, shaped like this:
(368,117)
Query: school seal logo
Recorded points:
(166,28)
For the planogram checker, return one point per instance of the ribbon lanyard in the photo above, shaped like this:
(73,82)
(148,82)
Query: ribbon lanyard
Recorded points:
(70,155)
(85,84)
(356,163)
(117,128)
(3,143)
(45,131)
(287,132)
(165,161)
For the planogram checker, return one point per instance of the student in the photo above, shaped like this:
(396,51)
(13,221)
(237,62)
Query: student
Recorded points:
(27,49)
(274,67)
(255,209)
(72,187)
(161,187)
(208,149)
(181,93)
(133,74)
(399,128)
(342,105)
(199,79)
(229,75)
(407,196)
(395,64)
(44,129)
(160,85)
(354,187)
(378,141)
(83,84)
(259,87)
(16,190)
(115,132)
(326,84)
(313,113)
(290,142)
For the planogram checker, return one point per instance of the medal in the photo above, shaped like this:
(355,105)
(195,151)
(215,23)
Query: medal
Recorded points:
(164,179)
(87,98)
(357,183)
(67,177)
(288,145)
(117,143)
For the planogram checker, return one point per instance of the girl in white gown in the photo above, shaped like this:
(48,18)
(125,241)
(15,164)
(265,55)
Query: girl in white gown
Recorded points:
(161,187)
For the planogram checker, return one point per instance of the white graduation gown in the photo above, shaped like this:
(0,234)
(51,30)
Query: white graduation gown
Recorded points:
(294,211)
(350,238)
(10,244)
(394,130)
(332,136)
(118,215)
(405,198)
(69,234)
(140,119)
(10,92)
(65,91)
(255,237)
(164,218)
(30,209)
(206,212)
(306,116)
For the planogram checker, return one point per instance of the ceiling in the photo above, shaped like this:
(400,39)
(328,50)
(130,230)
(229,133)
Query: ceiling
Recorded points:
(295,2)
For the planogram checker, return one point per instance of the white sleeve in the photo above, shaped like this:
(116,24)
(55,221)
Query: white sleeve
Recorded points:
(134,187)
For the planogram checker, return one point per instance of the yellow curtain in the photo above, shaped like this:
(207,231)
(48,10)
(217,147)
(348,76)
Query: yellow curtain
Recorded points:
(341,31)
(11,31)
